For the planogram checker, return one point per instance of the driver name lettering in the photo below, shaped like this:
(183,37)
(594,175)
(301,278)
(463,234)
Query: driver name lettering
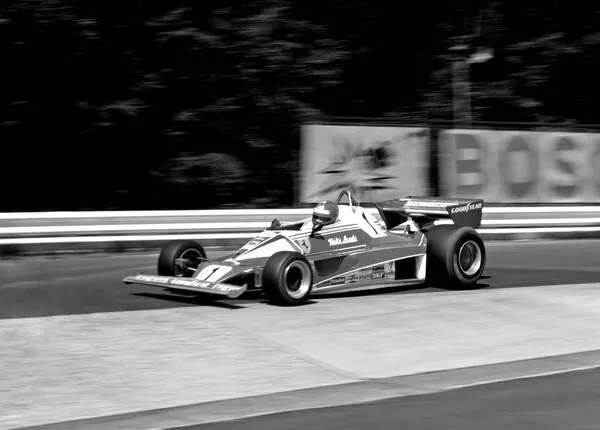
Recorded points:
(342,240)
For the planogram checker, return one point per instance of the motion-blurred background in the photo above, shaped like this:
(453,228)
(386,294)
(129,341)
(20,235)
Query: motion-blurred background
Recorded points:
(180,104)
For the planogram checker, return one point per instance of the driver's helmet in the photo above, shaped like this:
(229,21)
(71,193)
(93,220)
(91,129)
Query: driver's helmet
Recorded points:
(325,213)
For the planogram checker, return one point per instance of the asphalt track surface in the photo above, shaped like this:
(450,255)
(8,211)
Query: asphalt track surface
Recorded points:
(564,401)
(79,284)
(42,286)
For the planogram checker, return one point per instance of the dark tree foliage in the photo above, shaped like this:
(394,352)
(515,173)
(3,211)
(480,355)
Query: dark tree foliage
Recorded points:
(180,104)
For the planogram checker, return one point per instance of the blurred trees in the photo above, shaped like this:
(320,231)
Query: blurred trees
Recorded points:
(544,64)
(182,104)
(105,105)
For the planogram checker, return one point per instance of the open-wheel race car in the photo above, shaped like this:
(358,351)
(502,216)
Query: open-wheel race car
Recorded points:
(342,247)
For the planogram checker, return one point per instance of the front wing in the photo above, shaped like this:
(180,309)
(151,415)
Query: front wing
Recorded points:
(187,284)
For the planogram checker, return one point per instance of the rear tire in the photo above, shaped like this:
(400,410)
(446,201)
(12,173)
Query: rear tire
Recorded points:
(287,278)
(456,256)
(179,257)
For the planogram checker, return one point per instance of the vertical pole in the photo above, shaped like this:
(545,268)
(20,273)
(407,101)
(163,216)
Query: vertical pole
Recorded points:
(461,92)
(455,93)
(467,90)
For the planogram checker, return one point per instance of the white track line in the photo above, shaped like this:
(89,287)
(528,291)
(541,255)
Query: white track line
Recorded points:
(541,209)
(135,227)
(541,221)
(127,214)
(222,236)
(91,239)
(540,230)
(259,212)
(530,375)
(252,225)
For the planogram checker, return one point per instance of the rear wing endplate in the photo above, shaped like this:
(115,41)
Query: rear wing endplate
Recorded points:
(462,212)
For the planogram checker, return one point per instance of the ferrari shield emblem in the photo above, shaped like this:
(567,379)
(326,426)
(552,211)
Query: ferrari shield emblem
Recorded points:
(304,244)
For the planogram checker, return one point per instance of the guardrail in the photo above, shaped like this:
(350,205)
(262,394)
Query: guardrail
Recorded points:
(120,230)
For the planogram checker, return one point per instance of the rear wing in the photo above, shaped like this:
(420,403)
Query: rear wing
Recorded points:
(463,212)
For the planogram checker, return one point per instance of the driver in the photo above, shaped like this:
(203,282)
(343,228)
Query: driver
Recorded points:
(325,213)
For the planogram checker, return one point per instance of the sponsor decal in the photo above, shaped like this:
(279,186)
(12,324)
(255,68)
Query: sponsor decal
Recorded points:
(424,204)
(148,278)
(466,208)
(386,271)
(194,283)
(365,274)
(338,280)
(304,244)
(342,240)
(352,278)
(378,273)
(224,288)
(189,283)
(390,270)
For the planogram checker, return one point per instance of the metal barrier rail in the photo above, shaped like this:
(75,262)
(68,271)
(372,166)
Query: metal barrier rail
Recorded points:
(32,231)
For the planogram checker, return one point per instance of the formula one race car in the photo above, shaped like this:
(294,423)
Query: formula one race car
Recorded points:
(342,247)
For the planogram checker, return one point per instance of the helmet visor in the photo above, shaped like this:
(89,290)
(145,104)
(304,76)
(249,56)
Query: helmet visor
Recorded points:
(321,219)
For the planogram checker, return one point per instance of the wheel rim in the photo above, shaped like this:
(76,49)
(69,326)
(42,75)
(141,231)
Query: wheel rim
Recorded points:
(297,279)
(469,258)
(187,262)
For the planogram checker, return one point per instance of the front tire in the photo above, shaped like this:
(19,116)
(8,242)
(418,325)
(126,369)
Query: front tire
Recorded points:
(456,256)
(180,258)
(287,279)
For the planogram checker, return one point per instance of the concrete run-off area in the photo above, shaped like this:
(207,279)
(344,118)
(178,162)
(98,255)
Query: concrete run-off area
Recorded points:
(78,366)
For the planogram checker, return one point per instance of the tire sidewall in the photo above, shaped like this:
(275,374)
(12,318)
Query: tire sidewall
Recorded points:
(457,241)
(443,245)
(171,251)
(274,282)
